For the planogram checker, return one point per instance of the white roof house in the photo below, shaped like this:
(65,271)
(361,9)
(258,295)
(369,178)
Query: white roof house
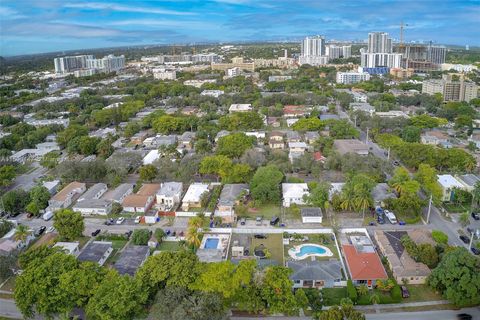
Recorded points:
(69,247)
(193,195)
(448,184)
(293,193)
(151,157)
(240,107)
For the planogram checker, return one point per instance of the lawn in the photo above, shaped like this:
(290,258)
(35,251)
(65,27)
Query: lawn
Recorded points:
(274,244)
(332,296)
(9,284)
(169,246)
(421,292)
(313,238)
(457,207)
(267,211)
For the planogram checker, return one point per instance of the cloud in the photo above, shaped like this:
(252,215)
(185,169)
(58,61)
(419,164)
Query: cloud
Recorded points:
(7,13)
(123,8)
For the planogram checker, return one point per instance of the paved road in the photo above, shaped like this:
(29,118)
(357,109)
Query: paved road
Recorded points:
(425,315)
(28,180)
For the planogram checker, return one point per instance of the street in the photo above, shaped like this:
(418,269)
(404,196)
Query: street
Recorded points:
(28,180)
(426,315)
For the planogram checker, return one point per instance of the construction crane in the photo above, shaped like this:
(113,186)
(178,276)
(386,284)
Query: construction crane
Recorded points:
(402,28)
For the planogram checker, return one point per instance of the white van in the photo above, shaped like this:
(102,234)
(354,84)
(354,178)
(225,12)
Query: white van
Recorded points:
(47,216)
(391,217)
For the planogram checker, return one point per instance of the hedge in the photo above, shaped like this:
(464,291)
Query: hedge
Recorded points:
(351,291)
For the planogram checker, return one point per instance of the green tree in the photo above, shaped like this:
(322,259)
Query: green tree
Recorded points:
(7,265)
(37,289)
(7,174)
(351,291)
(159,234)
(117,297)
(140,237)
(427,177)
(457,277)
(301,298)
(14,201)
(411,134)
(148,172)
(464,219)
(440,237)
(318,196)
(265,184)
(308,124)
(39,197)
(362,290)
(402,183)
(69,224)
(50,160)
(277,290)
(375,298)
(71,132)
(239,173)
(234,145)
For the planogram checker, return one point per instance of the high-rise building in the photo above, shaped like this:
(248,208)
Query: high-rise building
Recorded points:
(436,54)
(379,42)
(379,52)
(335,52)
(108,63)
(70,63)
(422,58)
(451,90)
(352,77)
(313,46)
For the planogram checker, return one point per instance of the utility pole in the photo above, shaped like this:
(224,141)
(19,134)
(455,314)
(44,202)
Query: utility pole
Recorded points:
(429,209)
(388,154)
(366,139)
(355,121)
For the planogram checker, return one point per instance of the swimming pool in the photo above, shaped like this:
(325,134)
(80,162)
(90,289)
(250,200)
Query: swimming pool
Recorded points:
(309,250)
(211,243)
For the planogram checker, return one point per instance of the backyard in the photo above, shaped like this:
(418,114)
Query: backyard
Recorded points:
(169,246)
(320,239)
(274,245)
(267,211)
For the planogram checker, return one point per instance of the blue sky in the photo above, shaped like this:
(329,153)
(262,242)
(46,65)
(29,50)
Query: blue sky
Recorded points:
(34,26)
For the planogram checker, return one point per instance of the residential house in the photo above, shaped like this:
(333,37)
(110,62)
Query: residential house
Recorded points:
(139,137)
(293,136)
(72,248)
(296,150)
(259,135)
(94,192)
(186,140)
(93,207)
(315,273)
(294,111)
(51,186)
(403,266)
(273,121)
(160,140)
(151,157)
(363,106)
(293,193)
(66,196)
(434,137)
(311,215)
(8,244)
(240,107)
(475,138)
(212,93)
(329,117)
(469,181)
(275,140)
(392,114)
(382,192)
(229,197)
(344,146)
(193,196)
(96,251)
(120,193)
(318,157)
(311,136)
(448,183)
(143,200)
(131,258)
(363,264)
(169,195)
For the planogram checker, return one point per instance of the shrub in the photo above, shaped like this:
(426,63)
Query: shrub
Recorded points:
(351,291)
(140,237)
(396,293)
(439,237)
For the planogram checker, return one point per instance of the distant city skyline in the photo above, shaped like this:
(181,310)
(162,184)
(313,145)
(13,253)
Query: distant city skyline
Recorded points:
(38,26)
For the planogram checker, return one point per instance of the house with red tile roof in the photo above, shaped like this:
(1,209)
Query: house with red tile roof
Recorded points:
(363,263)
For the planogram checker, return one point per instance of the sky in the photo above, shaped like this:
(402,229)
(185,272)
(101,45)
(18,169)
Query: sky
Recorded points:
(37,26)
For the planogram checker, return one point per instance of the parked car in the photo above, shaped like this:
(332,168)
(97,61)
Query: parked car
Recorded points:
(465,239)
(380,220)
(128,234)
(396,163)
(40,231)
(95,233)
(475,251)
(137,219)
(475,215)
(274,220)
(464,316)
(405,292)
(260,236)
(242,221)
(120,220)
(258,221)
(50,229)
(29,215)
(168,232)
(402,223)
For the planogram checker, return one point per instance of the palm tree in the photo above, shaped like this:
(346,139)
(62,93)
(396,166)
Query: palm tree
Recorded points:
(193,237)
(362,290)
(363,200)
(21,233)
(476,194)
(375,298)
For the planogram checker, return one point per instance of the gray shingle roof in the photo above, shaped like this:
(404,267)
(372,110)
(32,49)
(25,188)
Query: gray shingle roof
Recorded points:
(315,270)
(230,192)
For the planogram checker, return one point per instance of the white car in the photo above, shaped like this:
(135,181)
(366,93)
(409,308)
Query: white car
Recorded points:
(137,219)
(50,229)
(120,220)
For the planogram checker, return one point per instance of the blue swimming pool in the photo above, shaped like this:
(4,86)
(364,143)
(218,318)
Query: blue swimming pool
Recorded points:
(308,249)
(211,243)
